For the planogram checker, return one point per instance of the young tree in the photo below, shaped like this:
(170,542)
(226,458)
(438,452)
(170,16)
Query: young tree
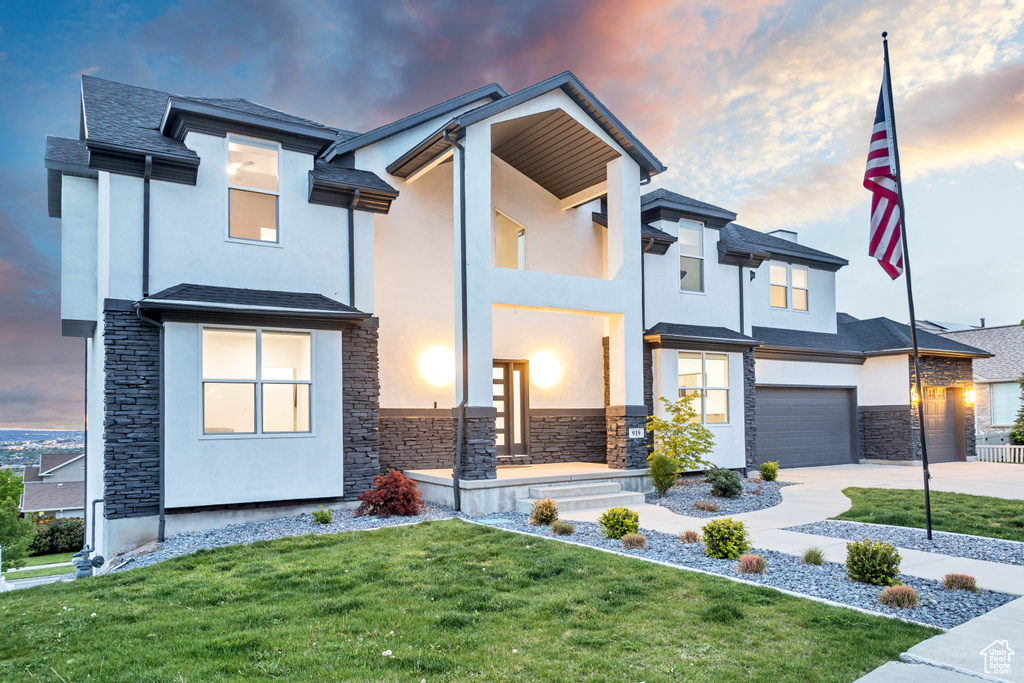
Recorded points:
(10,485)
(1017,433)
(679,440)
(15,535)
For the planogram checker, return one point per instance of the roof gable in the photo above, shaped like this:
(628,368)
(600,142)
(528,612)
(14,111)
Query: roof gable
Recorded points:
(662,204)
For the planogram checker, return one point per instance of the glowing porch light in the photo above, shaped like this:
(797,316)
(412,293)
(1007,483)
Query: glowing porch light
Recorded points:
(913,393)
(969,397)
(545,370)
(437,365)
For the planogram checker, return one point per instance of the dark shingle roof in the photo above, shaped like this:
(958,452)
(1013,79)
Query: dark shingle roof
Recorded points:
(39,496)
(1006,342)
(66,151)
(737,237)
(651,231)
(875,336)
(699,333)
(351,177)
(48,461)
(261,298)
(249,107)
(668,195)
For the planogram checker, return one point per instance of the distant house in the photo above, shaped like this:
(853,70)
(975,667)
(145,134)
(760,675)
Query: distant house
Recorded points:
(939,327)
(998,395)
(56,486)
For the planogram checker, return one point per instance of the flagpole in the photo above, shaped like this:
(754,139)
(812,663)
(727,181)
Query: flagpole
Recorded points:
(910,290)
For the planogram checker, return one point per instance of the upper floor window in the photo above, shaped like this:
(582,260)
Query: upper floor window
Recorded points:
(256,381)
(509,242)
(252,190)
(707,375)
(789,286)
(691,257)
(1005,402)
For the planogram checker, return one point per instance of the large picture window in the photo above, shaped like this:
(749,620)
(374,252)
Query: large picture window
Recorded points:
(691,257)
(706,375)
(252,190)
(1005,403)
(256,381)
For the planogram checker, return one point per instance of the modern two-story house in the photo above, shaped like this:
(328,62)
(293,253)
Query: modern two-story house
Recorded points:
(276,310)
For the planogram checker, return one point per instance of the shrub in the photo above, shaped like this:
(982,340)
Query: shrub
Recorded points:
(689,536)
(724,483)
(664,471)
(323,515)
(562,529)
(751,564)
(392,494)
(634,542)
(42,537)
(903,597)
(617,522)
(770,470)
(959,582)
(679,437)
(15,535)
(725,539)
(544,511)
(706,505)
(814,556)
(1017,433)
(873,562)
(63,535)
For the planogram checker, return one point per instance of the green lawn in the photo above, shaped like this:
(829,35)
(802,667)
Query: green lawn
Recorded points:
(52,558)
(30,573)
(450,600)
(957,512)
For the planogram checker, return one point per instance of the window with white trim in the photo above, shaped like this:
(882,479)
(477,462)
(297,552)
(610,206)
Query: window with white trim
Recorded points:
(256,381)
(252,190)
(691,257)
(789,286)
(1005,402)
(707,375)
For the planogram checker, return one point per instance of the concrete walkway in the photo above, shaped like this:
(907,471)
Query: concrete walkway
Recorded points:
(39,566)
(819,496)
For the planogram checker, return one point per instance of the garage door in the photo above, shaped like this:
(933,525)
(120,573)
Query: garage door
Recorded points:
(800,427)
(940,408)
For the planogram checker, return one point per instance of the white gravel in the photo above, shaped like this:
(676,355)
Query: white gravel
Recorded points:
(757,495)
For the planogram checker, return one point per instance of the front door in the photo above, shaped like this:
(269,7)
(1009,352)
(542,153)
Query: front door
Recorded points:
(512,401)
(940,417)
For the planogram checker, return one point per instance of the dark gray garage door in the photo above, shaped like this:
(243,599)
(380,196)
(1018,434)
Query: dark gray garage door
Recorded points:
(940,413)
(800,427)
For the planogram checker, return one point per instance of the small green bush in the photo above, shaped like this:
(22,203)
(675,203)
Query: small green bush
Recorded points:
(873,562)
(634,542)
(323,515)
(724,483)
(544,511)
(814,556)
(903,597)
(960,582)
(63,535)
(562,529)
(770,470)
(664,470)
(617,522)
(751,564)
(725,539)
(689,536)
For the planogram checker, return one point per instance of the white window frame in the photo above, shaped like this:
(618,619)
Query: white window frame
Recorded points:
(704,381)
(254,142)
(789,287)
(992,404)
(699,228)
(258,382)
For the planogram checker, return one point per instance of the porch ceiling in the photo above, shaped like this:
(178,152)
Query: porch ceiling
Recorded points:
(554,150)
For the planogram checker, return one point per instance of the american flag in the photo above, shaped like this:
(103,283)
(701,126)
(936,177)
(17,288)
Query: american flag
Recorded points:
(886,242)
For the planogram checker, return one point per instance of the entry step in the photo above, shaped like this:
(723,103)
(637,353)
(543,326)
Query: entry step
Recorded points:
(575,497)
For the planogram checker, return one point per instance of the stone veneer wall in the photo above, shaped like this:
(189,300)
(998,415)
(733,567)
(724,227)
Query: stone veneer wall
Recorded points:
(940,371)
(131,416)
(409,442)
(479,458)
(607,371)
(750,408)
(885,432)
(360,402)
(563,437)
(623,452)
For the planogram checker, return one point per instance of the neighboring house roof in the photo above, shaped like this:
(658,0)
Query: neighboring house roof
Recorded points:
(738,238)
(48,462)
(675,335)
(662,204)
(198,302)
(40,496)
(31,473)
(1005,342)
(862,338)
(938,327)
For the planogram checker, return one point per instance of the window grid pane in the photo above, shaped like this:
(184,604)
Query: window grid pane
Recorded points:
(706,375)
(799,299)
(229,354)
(778,274)
(1005,402)
(253,216)
(253,166)
(799,276)
(691,274)
(778,296)
(229,407)
(691,240)
(285,408)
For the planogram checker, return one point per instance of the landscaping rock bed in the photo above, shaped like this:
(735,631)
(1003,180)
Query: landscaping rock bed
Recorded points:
(937,607)
(757,495)
(955,545)
(282,527)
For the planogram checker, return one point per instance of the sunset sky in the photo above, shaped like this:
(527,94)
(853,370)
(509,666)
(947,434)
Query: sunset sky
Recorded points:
(763,107)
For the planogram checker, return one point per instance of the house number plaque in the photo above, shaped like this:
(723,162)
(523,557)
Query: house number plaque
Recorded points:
(636,432)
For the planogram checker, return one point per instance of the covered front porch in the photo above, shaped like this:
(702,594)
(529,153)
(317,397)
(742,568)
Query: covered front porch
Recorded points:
(596,482)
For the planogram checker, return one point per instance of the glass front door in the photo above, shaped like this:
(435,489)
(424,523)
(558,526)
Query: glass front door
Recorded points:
(512,401)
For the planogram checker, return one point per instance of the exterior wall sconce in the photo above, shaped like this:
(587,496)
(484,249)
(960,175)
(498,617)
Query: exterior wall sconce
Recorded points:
(914,398)
(968,397)
(437,365)
(545,370)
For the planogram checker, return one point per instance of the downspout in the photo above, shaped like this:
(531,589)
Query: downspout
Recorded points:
(461,428)
(85,440)
(145,224)
(352,250)
(163,421)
